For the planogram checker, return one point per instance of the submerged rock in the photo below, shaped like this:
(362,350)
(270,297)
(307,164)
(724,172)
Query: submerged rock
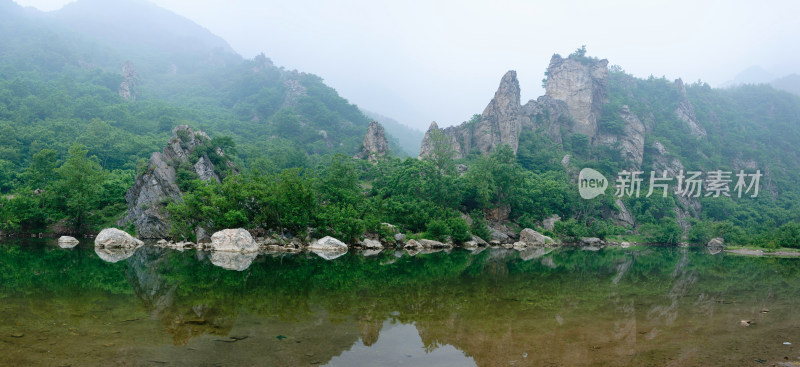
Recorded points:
(116,238)
(67,242)
(238,261)
(233,240)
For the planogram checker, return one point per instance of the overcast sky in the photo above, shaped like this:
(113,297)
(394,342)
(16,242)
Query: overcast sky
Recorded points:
(420,61)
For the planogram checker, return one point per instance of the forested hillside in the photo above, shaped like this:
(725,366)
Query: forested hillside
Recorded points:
(113,89)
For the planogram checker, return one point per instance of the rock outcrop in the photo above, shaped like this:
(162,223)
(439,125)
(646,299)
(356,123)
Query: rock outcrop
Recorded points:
(685,112)
(630,142)
(573,104)
(116,238)
(233,240)
(157,185)
(580,82)
(127,89)
(375,144)
(530,237)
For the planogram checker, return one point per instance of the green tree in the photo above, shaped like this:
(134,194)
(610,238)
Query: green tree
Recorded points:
(79,185)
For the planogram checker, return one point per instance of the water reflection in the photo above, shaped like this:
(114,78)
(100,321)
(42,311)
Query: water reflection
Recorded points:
(233,260)
(496,307)
(114,254)
(329,255)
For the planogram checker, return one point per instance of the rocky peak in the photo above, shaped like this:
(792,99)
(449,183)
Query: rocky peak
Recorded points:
(580,82)
(127,89)
(375,144)
(685,112)
(499,124)
(506,100)
(157,185)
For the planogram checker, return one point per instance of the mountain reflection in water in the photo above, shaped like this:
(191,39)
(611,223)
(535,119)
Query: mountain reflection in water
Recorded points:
(495,307)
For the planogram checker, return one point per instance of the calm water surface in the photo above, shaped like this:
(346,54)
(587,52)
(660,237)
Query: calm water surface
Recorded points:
(615,307)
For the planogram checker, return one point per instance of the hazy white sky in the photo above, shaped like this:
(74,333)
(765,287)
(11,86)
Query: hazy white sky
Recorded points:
(419,61)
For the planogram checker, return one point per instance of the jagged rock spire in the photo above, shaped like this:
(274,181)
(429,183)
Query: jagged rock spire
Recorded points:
(506,99)
(375,144)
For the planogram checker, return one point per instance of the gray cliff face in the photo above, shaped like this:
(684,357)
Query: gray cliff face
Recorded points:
(631,142)
(547,114)
(581,84)
(127,89)
(375,144)
(457,137)
(685,112)
(157,186)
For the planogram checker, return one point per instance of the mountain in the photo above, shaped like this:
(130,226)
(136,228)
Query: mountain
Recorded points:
(757,75)
(751,75)
(601,118)
(117,77)
(789,83)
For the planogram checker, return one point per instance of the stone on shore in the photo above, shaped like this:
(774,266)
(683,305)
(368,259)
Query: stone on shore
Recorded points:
(233,240)
(116,238)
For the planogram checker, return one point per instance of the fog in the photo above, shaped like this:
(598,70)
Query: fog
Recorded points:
(420,61)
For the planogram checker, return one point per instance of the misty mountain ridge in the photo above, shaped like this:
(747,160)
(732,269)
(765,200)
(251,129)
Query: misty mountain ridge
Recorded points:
(758,75)
(170,58)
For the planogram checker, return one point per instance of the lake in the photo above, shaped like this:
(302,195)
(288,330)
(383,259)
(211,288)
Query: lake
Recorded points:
(496,307)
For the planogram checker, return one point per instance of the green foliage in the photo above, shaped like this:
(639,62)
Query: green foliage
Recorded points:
(80,183)
(479,226)
(438,230)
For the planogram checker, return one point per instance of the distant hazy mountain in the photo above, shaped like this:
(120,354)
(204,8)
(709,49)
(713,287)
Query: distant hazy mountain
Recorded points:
(161,40)
(757,75)
(751,75)
(789,83)
(408,138)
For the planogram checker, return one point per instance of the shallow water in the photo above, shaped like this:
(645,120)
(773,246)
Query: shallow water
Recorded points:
(616,307)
